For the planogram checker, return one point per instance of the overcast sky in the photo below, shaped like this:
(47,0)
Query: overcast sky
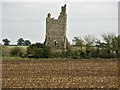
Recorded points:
(27,19)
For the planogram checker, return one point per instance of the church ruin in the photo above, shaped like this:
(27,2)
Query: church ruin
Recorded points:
(56,31)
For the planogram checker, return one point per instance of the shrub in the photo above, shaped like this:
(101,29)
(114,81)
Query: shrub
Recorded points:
(38,50)
(105,54)
(94,53)
(17,51)
(75,54)
(56,55)
(82,54)
(118,55)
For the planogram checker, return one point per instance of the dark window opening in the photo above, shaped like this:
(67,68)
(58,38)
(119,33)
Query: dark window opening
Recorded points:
(55,43)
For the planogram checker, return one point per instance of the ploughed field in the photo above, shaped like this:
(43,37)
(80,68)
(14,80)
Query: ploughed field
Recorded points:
(60,74)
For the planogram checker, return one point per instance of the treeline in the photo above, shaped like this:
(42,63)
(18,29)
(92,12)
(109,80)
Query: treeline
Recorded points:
(20,42)
(90,47)
(83,48)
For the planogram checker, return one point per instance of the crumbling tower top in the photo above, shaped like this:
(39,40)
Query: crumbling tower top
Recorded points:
(49,15)
(63,9)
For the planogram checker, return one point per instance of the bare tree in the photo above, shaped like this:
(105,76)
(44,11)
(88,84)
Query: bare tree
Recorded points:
(108,40)
(89,40)
(78,42)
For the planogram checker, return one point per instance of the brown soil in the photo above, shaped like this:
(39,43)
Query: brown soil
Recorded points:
(59,74)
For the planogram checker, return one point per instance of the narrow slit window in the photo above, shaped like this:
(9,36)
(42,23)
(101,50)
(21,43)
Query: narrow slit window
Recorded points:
(55,43)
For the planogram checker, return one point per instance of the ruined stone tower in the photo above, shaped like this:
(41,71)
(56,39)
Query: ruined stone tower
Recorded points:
(56,31)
